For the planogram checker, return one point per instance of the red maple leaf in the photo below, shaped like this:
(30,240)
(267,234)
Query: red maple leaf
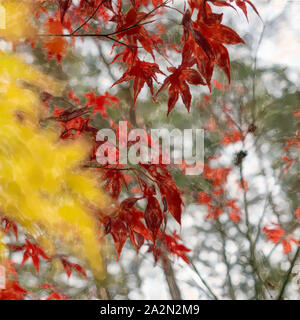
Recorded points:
(10,225)
(68,266)
(204,198)
(171,196)
(99,103)
(153,215)
(127,223)
(178,85)
(118,229)
(56,45)
(114,179)
(205,38)
(13,291)
(287,244)
(235,136)
(242,4)
(32,251)
(129,26)
(175,247)
(142,72)
(277,235)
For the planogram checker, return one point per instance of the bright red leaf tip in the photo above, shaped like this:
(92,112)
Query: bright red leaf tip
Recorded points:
(175,247)
(10,225)
(63,7)
(68,266)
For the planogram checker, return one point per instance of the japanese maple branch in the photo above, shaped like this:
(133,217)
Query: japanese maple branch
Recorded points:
(90,18)
(171,280)
(203,281)
(254,73)
(228,267)
(288,274)
(252,259)
(138,23)
(108,35)
(90,35)
(119,169)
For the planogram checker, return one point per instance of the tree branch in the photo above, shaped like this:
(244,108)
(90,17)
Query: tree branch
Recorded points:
(288,274)
(171,280)
(90,18)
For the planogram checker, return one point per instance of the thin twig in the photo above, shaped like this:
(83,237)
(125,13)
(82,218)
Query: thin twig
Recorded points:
(91,17)
(203,281)
(254,72)
(288,274)
(228,267)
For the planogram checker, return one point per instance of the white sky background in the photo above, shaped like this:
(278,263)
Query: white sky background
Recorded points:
(284,46)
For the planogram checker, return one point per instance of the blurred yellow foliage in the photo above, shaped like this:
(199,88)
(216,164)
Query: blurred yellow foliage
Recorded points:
(42,186)
(17,19)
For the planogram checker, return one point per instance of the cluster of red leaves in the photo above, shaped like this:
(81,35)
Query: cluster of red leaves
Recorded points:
(215,199)
(55,46)
(157,186)
(233,137)
(32,251)
(74,120)
(169,243)
(35,252)
(128,221)
(277,235)
(175,247)
(233,132)
(290,143)
(202,46)
(202,42)
(293,142)
(68,266)
(13,290)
